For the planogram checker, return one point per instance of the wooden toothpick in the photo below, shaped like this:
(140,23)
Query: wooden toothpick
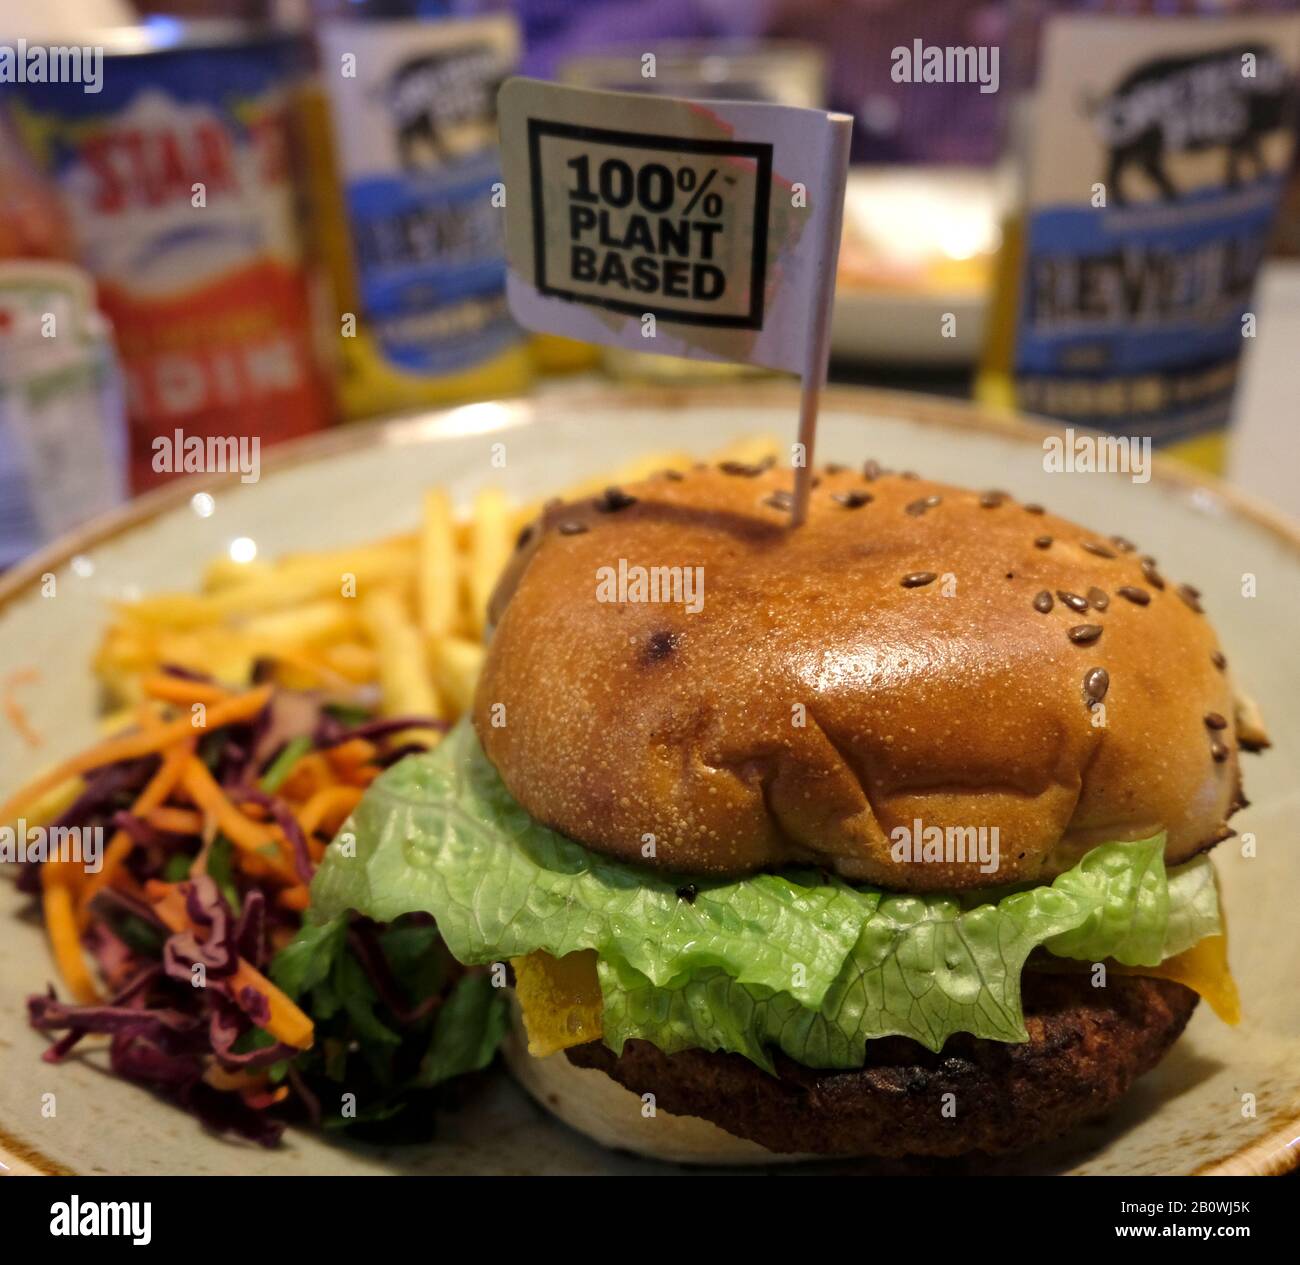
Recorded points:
(818,353)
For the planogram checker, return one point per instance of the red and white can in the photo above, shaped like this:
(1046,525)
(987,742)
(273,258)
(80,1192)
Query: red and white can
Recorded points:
(178,178)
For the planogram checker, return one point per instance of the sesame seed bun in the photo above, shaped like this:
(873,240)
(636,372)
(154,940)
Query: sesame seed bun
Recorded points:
(912,653)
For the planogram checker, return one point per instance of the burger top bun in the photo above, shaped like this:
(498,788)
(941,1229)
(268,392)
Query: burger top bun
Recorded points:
(915,665)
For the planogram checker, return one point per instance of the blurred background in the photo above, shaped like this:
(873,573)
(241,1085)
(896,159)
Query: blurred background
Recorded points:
(321,287)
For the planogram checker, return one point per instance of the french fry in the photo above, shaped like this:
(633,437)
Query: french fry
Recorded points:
(406,688)
(312,624)
(220,652)
(224,572)
(490,549)
(644,466)
(456,663)
(415,630)
(437,575)
(301,669)
(292,583)
(352,661)
(630,472)
(127,649)
(748,451)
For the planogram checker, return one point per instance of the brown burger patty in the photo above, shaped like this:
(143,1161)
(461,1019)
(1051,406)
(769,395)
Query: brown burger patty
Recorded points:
(1086,1047)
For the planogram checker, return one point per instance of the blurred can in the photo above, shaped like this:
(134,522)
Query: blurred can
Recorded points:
(62,435)
(407,188)
(178,181)
(1149,153)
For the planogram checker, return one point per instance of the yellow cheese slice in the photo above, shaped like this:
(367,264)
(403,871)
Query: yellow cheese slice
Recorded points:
(560,999)
(1204,969)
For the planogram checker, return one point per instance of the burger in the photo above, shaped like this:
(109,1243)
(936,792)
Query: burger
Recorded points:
(885,835)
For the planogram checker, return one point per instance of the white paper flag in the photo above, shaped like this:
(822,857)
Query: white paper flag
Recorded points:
(685,228)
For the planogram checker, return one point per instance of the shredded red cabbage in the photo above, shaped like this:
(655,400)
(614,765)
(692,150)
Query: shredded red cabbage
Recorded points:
(287,822)
(201,1046)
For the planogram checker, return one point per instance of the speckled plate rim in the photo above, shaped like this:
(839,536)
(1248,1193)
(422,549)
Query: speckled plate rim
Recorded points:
(1276,1153)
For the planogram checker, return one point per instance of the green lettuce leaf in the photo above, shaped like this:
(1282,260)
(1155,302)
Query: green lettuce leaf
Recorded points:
(440,833)
(797,962)
(468,1028)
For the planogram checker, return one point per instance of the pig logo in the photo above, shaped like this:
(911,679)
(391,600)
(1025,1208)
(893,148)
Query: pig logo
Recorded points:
(443,106)
(1191,104)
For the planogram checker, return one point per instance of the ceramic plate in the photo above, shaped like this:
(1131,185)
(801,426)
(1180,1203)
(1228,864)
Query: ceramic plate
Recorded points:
(1191,1115)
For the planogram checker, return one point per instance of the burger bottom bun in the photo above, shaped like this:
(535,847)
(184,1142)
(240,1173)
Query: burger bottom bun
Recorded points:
(600,1108)
(1086,1047)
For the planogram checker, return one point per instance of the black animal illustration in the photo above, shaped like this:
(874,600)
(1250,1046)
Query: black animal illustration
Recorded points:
(444,106)
(1194,103)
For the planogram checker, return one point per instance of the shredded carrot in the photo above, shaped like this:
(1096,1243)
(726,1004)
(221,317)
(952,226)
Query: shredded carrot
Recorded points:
(57,872)
(131,746)
(61,924)
(294,897)
(255,865)
(262,845)
(119,848)
(182,691)
(260,1099)
(176,821)
(328,807)
(310,774)
(168,904)
(221,1078)
(286,1022)
(15,711)
(242,831)
(351,755)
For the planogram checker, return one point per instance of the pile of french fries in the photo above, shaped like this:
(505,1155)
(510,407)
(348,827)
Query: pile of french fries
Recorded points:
(404,616)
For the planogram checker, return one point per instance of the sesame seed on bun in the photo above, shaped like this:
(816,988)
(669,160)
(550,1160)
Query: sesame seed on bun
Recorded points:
(914,653)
